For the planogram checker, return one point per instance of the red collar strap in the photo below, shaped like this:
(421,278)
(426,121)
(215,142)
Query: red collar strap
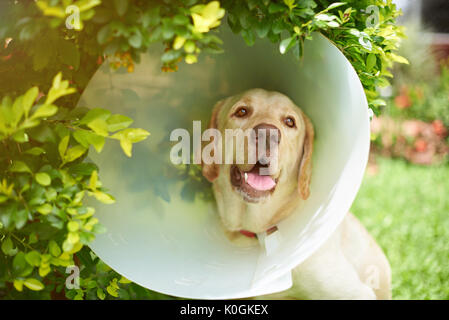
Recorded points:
(250,234)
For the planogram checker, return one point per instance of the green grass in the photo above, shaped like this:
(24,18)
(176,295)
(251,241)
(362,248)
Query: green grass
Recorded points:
(406,208)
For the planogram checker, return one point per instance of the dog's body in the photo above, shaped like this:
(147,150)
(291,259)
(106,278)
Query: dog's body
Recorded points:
(350,265)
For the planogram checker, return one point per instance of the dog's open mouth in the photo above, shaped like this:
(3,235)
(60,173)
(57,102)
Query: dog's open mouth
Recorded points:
(251,184)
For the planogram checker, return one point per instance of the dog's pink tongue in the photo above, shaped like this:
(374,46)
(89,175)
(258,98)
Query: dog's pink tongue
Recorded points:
(261,183)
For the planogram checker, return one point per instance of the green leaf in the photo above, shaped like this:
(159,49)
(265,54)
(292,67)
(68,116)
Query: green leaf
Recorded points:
(335,5)
(170,55)
(262,28)
(67,246)
(44,111)
(20,266)
(135,40)
(82,137)
(103,34)
(18,284)
(325,17)
(43,179)
(29,123)
(3,198)
(97,141)
(151,17)
(74,153)
(83,169)
(191,58)
(290,4)
(129,136)
(99,126)
(20,217)
(33,258)
(371,61)
(99,229)
(36,151)
(33,238)
(399,59)
(63,144)
(104,197)
(29,98)
(276,7)
(93,181)
(19,166)
(286,44)
(134,134)
(178,42)
(124,280)
(121,6)
(189,46)
(45,209)
(95,114)
(73,226)
(20,136)
(17,111)
(118,122)
(86,237)
(333,24)
(59,89)
(86,138)
(87,215)
(249,36)
(54,248)
(126,146)
(100,294)
(112,290)
(73,237)
(8,247)
(44,270)
(87,5)
(180,19)
(33,284)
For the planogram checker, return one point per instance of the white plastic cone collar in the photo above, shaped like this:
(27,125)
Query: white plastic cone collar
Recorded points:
(177,246)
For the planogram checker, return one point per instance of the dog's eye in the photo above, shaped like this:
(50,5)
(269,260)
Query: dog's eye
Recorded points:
(241,112)
(290,122)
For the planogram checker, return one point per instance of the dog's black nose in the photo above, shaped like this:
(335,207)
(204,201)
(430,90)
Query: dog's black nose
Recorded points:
(271,133)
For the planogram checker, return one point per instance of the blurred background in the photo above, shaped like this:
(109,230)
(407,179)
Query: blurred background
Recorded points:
(404,200)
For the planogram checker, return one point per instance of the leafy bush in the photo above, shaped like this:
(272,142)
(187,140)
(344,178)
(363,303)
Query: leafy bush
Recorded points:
(420,90)
(45,178)
(414,123)
(424,100)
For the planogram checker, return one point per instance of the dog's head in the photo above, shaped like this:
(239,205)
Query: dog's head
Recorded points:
(255,195)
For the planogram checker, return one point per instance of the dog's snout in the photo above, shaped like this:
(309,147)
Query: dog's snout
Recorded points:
(271,132)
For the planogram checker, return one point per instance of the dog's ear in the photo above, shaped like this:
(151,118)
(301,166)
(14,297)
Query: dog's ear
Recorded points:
(305,166)
(211,171)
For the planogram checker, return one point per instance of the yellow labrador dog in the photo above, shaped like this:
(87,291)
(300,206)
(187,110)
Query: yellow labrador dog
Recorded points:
(350,265)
